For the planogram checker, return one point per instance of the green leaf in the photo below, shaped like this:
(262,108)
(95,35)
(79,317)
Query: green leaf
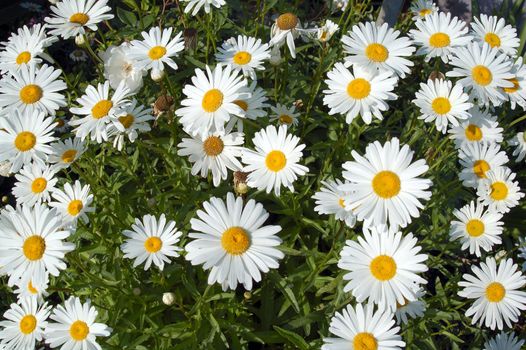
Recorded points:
(293,338)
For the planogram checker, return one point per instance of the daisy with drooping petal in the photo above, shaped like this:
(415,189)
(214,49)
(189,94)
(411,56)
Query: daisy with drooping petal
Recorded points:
(246,54)
(519,141)
(359,92)
(284,115)
(494,31)
(25,138)
(75,327)
(330,200)
(443,103)
(252,101)
(32,89)
(517,93)
(23,49)
(481,127)
(384,186)
(32,288)
(438,35)
(326,32)
(483,71)
(34,184)
(477,159)
(74,17)
(65,152)
(134,119)
(410,309)
(383,267)
(285,29)
(211,100)
(503,341)
(497,294)
(232,242)
(119,66)
(378,47)
(476,228)
(363,328)
(151,241)
(206,4)
(423,8)
(275,160)
(24,324)
(73,203)
(499,191)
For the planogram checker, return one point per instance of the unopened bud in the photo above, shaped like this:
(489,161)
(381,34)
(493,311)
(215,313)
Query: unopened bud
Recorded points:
(436,75)
(5,199)
(168,298)
(80,40)
(136,291)
(162,104)
(247,295)
(500,254)
(157,75)
(240,182)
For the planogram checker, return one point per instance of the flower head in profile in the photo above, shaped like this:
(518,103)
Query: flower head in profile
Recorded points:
(285,29)
(194,6)
(330,200)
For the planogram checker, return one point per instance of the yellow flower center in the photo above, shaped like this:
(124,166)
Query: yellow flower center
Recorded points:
(39,184)
(153,244)
(79,18)
(473,133)
(242,104)
(69,156)
(481,75)
(31,288)
(364,341)
(213,146)
(127,120)
(386,184)
(30,94)
(287,21)
(157,52)
(74,207)
(101,109)
(25,141)
(34,247)
(242,57)
(441,105)
(285,119)
(475,227)
(359,88)
(439,40)
(212,100)
(480,167)
(79,330)
(499,191)
(275,160)
(235,240)
(341,202)
(28,323)
(383,267)
(495,292)
(515,86)
(492,39)
(376,52)
(23,57)
(424,12)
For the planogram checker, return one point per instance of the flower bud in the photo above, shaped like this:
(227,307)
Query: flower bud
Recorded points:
(168,298)
(157,75)
(80,40)
(136,291)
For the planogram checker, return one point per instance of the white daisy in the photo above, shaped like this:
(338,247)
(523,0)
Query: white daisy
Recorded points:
(74,17)
(33,289)
(151,240)
(484,72)
(519,142)
(34,184)
(494,31)
(232,243)
(285,29)
(384,185)
(503,341)
(25,138)
(499,191)
(412,309)
(210,100)
(497,294)
(517,93)
(73,203)
(477,159)
(480,127)
(252,101)
(326,32)
(443,103)
(378,47)
(358,92)
(78,55)
(32,89)
(134,119)
(330,200)
(522,251)
(119,66)
(422,8)
(476,228)
(215,152)
(36,31)
(75,326)
(246,54)
(65,152)
(284,115)
(206,4)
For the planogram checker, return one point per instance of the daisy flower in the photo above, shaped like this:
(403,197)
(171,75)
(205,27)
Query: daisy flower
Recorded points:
(25,138)
(24,324)
(422,8)
(494,31)
(246,54)
(477,159)
(383,267)
(252,101)
(232,242)
(378,47)
(119,66)
(215,152)
(363,328)
(503,341)
(156,49)
(438,35)
(517,93)
(65,152)
(481,127)
(78,55)
(73,203)
(285,29)
(522,251)
(498,190)
(74,17)
(151,240)
(284,115)
(330,200)
(36,31)
(326,32)
(275,160)
(206,4)
(34,184)
(134,119)
(210,100)
(75,327)
(97,109)
(484,72)
(32,89)
(23,49)
(443,103)
(358,92)
(410,309)
(476,228)
(384,185)
(497,294)
(519,142)
(33,289)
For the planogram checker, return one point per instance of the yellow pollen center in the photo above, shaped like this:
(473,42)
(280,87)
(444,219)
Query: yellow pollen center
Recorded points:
(386,184)
(515,86)
(79,18)
(39,185)
(242,57)
(25,141)
(153,244)
(31,289)
(439,40)
(30,94)
(364,341)
(341,202)
(28,323)
(69,156)
(383,267)
(376,52)
(79,330)
(359,88)
(492,39)
(23,57)
(127,120)
(495,292)
(481,75)
(212,100)
(285,119)
(213,146)
(441,105)
(473,133)
(475,227)
(74,207)
(424,12)
(499,191)
(287,21)
(157,52)
(275,160)
(34,247)
(480,167)
(242,104)
(235,240)
(101,109)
